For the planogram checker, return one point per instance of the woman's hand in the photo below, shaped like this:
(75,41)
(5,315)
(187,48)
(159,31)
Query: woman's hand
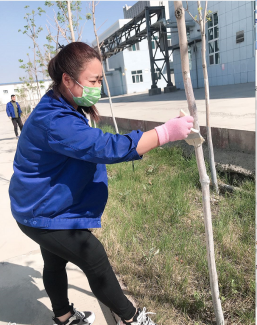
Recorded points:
(175,129)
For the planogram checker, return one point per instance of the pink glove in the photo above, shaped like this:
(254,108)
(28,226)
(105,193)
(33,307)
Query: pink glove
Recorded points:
(175,129)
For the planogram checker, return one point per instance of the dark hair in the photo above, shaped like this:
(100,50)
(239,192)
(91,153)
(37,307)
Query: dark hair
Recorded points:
(71,60)
(12,96)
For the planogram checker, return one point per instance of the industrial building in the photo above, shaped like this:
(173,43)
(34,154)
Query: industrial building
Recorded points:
(229,38)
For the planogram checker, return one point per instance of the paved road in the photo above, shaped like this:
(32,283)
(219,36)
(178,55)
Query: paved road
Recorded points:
(232,106)
(22,295)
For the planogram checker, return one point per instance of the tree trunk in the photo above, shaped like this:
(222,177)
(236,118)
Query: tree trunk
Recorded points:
(256,142)
(107,86)
(35,67)
(207,97)
(70,22)
(204,179)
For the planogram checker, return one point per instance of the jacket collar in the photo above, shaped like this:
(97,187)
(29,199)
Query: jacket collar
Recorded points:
(65,102)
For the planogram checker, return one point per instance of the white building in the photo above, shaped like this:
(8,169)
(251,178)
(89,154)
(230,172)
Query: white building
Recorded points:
(230,43)
(129,71)
(25,96)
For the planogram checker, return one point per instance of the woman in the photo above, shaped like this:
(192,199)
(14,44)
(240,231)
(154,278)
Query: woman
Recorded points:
(59,187)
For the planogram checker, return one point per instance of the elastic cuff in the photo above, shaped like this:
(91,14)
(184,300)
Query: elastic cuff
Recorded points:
(162,134)
(63,311)
(129,315)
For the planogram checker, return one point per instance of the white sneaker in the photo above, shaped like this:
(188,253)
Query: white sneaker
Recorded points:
(140,318)
(77,318)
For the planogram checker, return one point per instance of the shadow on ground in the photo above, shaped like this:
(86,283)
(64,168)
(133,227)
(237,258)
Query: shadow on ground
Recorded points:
(20,295)
(14,138)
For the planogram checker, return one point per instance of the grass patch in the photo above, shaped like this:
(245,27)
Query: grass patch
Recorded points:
(153,231)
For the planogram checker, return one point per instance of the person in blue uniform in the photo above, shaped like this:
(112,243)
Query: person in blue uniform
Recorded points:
(14,112)
(59,188)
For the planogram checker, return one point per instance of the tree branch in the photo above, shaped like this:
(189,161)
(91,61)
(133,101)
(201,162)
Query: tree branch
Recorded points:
(191,14)
(204,17)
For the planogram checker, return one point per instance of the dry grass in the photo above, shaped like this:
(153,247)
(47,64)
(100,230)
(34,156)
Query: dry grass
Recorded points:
(153,231)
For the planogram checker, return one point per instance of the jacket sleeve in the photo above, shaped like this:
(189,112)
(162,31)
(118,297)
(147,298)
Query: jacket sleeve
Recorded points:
(7,110)
(71,136)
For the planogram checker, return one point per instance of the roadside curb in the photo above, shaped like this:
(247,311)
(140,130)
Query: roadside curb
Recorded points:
(226,139)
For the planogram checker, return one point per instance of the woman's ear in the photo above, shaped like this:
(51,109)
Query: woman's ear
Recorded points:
(67,81)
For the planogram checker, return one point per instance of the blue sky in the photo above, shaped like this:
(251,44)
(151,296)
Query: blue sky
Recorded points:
(15,45)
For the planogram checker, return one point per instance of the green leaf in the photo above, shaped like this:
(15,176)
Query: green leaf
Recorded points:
(48,3)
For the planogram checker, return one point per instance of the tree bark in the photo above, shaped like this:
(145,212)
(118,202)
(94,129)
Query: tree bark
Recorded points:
(70,22)
(105,79)
(204,179)
(35,65)
(207,96)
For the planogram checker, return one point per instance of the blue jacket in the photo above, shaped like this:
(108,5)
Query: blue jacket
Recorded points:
(10,109)
(60,178)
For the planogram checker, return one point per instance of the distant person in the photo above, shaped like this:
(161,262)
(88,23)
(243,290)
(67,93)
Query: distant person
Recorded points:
(59,187)
(14,112)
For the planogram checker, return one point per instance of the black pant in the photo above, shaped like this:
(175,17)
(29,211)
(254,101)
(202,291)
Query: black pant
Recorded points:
(17,121)
(83,249)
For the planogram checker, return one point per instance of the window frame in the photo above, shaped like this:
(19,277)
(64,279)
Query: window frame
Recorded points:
(214,41)
(157,73)
(169,40)
(189,48)
(137,76)
(135,47)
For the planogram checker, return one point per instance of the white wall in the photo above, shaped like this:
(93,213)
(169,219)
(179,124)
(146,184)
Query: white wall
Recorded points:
(140,60)
(120,82)
(6,97)
(116,79)
(237,62)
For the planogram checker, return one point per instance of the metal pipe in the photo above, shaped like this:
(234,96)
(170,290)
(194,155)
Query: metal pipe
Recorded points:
(149,36)
(169,84)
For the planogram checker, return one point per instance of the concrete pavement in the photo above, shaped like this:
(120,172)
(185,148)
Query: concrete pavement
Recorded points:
(232,106)
(232,119)
(22,295)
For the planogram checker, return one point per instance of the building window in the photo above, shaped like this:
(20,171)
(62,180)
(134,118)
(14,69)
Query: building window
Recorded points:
(157,73)
(16,90)
(5,91)
(190,58)
(240,37)
(169,40)
(134,47)
(137,76)
(188,33)
(153,44)
(213,39)
(189,48)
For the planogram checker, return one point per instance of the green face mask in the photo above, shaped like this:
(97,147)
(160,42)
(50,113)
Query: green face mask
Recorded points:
(90,96)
